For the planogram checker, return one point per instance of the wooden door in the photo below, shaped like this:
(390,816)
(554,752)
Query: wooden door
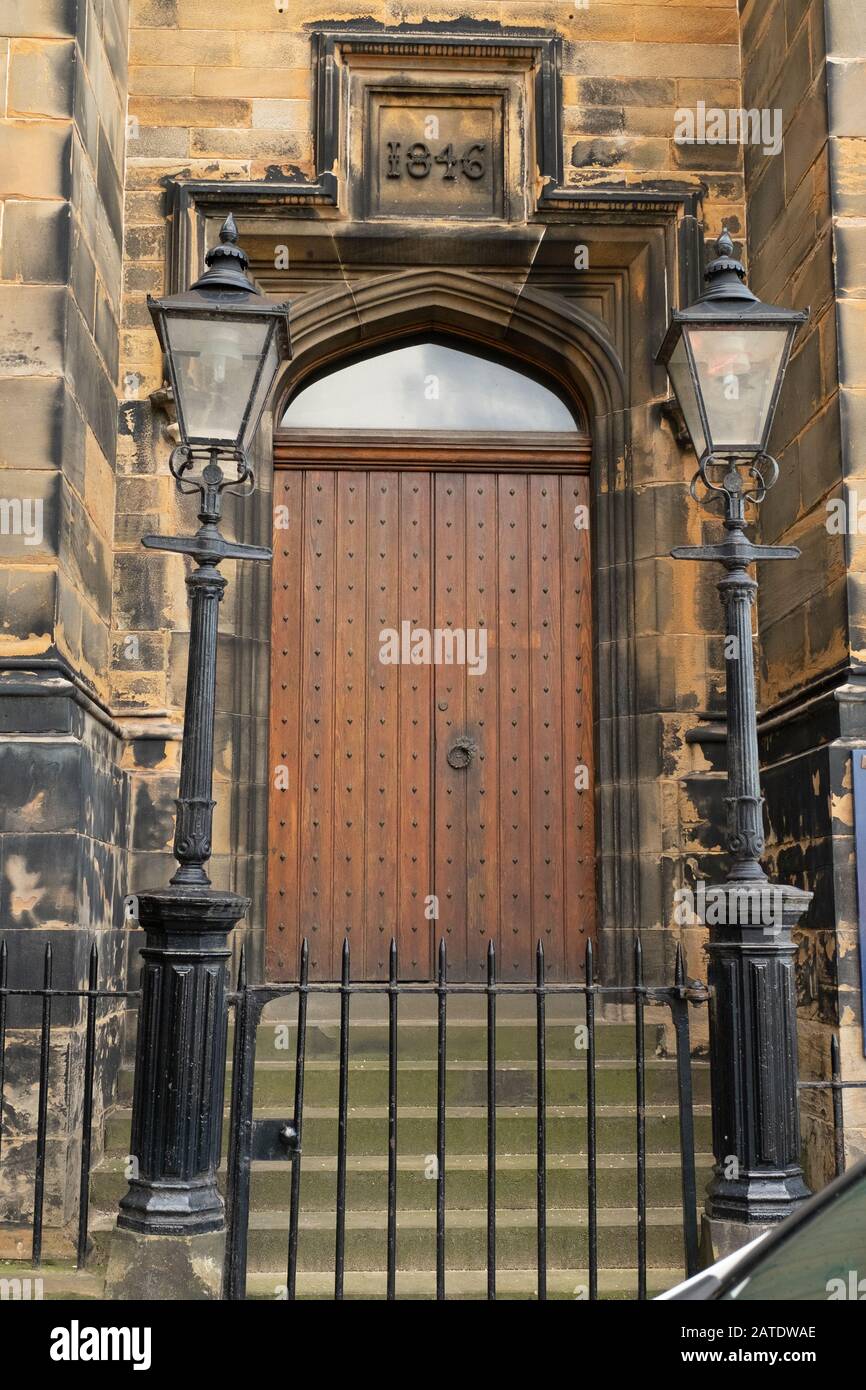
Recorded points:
(430,787)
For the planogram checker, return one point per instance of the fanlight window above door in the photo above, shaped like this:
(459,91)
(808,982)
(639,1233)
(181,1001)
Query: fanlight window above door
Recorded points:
(428,386)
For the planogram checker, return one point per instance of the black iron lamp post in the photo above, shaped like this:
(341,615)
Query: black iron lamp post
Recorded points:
(223,343)
(726,357)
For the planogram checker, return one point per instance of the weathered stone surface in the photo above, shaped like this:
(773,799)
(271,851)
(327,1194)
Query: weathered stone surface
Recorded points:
(846,99)
(35,159)
(32,330)
(91,381)
(33,415)
(163,1268)
(106,333)
(41,75)
(165,48)
(266,81)
(722,1238)
(191,111)
(48,18)
(64,818)
(27,598)
(36,242)
(140,591)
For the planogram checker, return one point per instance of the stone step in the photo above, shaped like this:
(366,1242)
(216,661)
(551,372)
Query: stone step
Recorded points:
(466,1082)
(418,1003)
(468,1284)
(466,1140)
(466,1129)
(466,1039)
(465,1240)
(64,1284)
(466,1182)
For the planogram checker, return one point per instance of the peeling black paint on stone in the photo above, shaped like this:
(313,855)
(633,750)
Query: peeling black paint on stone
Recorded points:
(588,153)
(153,824)
(148,752)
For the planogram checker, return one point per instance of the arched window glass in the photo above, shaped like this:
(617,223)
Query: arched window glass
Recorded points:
(428,386)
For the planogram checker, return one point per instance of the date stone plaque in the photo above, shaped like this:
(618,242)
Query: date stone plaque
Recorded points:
(435,154)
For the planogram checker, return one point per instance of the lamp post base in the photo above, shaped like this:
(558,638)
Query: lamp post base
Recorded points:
(177,1107)
(757,1178)
(757,1198)
(162,1207)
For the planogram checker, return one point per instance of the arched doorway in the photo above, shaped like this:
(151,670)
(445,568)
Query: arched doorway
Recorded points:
(431,677)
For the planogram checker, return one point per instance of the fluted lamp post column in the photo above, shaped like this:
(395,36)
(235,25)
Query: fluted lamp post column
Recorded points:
(726,357)
(223,343)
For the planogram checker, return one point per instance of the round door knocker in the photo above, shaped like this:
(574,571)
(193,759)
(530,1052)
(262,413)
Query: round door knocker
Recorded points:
(461,752)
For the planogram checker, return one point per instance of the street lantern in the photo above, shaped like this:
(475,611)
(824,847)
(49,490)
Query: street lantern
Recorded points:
(223,343)
(726,356)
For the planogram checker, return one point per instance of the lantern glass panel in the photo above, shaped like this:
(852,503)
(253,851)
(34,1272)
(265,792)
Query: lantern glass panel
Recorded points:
(266,381)
(737,370)
(679,371)
(215,365)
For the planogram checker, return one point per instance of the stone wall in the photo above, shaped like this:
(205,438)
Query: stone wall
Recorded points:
(63,799)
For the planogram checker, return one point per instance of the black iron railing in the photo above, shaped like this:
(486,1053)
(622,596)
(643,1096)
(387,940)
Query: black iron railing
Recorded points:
(258,1140)
(253,1139)
(47,996)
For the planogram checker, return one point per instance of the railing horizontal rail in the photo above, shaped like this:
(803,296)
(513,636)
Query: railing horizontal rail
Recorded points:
(663,992)
(15,992)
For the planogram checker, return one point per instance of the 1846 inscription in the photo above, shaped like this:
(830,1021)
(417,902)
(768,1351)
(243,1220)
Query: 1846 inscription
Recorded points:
(418,160)
(436,156)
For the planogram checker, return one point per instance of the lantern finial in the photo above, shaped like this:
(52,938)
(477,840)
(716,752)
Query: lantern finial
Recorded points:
(229,229)
(725,275)
(227,262)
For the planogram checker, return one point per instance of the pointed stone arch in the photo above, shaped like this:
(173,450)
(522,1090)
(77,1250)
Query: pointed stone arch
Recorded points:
(518,321)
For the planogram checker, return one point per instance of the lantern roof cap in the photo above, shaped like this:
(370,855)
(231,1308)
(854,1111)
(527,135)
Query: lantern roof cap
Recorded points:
(726,302)
(725,275)
(227,263)
(222,291)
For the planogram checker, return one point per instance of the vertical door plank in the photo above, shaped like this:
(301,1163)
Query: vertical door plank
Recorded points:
(350,760)
(482,722)
(577,724)
(545,673)
(284,764)
(516,716)
(383,681)
(449,682)
(413,849)
(317,728)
